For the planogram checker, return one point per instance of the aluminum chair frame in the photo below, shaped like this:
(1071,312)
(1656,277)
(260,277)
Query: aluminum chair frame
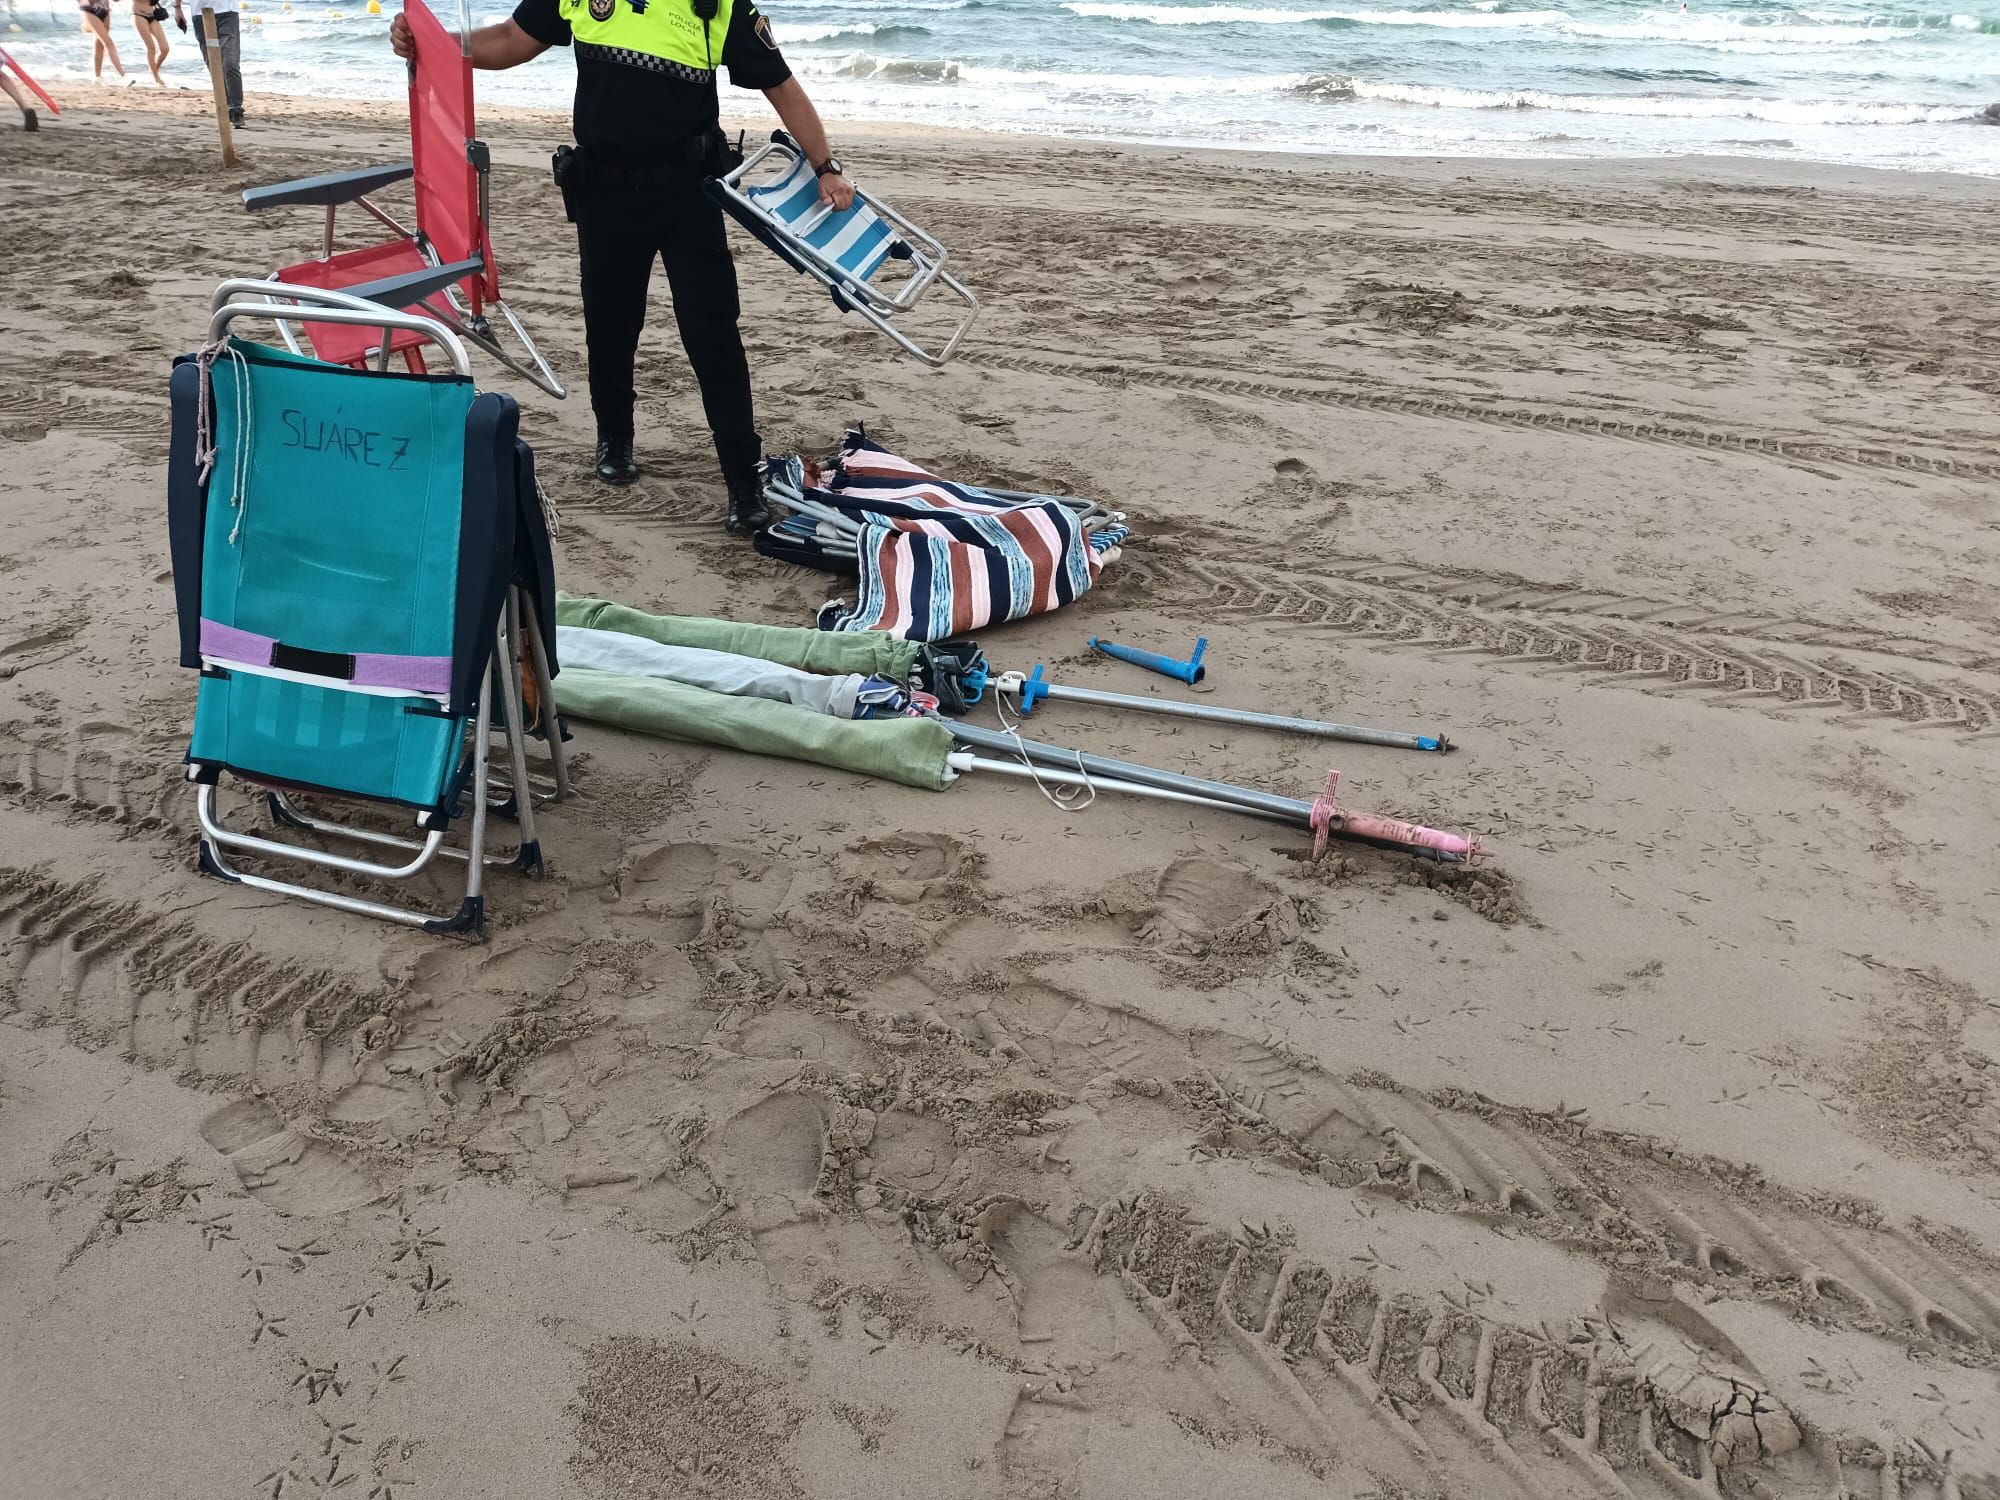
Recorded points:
(296,303)
(927,256)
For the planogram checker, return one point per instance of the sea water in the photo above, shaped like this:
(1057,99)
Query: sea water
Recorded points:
(1886,83)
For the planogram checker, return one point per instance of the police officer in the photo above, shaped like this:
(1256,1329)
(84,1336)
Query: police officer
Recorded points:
(647,129)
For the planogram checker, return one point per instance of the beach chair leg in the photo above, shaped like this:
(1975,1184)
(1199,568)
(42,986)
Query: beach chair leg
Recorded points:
(215,837)
(471,917)
(545,694)
(529,858)
(540,373)
(535,369)
(903,340)
(288,813)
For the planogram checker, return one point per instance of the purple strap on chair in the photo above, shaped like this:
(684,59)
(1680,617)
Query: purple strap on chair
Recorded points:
(409,674)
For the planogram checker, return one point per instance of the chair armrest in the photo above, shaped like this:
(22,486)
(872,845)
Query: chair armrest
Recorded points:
(328,190)
(413,286)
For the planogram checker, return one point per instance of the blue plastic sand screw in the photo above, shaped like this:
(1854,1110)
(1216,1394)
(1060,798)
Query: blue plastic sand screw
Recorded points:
(1190,671)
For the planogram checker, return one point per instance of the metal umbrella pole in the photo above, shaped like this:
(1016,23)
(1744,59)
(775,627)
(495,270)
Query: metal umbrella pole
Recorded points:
(1247,799)
(1031,690)
(963,761)
(1098,769)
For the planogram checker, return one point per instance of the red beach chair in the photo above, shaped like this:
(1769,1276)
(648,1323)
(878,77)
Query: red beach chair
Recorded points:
(444,268)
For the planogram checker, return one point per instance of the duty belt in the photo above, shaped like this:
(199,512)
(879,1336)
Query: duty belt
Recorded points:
(669,167)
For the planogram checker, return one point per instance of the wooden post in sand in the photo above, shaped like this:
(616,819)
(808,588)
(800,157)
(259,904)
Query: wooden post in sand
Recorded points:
(211,48)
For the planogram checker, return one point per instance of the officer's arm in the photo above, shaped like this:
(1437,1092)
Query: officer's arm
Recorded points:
(803,123)
(502,45)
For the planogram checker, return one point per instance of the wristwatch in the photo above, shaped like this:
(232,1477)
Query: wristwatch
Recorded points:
(829,168)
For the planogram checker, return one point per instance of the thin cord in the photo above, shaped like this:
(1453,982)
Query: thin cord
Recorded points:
(205,425)
(1071,799)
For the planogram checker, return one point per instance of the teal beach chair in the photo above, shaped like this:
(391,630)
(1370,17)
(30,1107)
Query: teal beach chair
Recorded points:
(363,576)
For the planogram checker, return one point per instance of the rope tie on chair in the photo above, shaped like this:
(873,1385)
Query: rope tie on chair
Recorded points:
(551,517)
(204,441)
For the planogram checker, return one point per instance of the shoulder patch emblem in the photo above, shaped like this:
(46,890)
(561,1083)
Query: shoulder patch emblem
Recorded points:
(600,10)
(764,33)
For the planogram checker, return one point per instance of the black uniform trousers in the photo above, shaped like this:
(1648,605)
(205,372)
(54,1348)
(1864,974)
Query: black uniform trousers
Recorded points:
(619,231)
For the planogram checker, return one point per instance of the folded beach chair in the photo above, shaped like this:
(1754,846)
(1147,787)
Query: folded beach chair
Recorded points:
(843,249)
(444,268)
(935,559)
(362,572)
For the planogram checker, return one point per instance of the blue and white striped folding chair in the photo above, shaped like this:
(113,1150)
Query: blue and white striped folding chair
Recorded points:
(844,249)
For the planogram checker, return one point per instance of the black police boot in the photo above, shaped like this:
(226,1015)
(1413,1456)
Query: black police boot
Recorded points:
(747,512)
(615,464)
(742,463)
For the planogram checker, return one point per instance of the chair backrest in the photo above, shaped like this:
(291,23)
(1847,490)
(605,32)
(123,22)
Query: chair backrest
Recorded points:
(853,238)
(353,554)
(442,136)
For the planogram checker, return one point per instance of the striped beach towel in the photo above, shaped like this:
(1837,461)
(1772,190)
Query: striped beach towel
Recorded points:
(938,559)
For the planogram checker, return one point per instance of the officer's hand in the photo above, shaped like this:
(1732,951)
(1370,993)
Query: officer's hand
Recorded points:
(836,190)
(401,38)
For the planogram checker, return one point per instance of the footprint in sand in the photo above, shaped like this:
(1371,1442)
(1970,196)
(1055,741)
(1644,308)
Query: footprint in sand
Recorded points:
(692,886)
(282,1168)
(904,867)
(1197,902)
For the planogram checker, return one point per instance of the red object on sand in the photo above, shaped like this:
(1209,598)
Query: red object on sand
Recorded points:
(444,263)
(447,194)
(442,133)
(39,92)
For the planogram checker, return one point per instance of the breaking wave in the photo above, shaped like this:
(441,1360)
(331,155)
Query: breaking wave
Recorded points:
(1788,28)
(833,31)
(1253,15)
(1775,111)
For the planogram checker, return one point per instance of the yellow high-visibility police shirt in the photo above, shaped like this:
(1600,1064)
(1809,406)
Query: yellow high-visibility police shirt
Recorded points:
(645,69)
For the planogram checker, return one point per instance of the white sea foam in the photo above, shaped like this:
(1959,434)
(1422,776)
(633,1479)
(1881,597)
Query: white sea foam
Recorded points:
(1776,111)
(1871,82)
(1102,86)
(825,32)
(1726,30)
(1259,15)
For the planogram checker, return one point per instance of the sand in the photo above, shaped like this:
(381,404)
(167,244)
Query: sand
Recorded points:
(802,1136)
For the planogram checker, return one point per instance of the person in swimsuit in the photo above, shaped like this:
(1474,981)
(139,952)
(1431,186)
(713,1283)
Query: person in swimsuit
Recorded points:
(146,18)
(97,21)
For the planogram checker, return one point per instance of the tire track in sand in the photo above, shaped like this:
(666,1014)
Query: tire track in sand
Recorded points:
(161,992)
(1727,670)
(1797,452)
(1640,1399)
(37,406)
(89,772)
(1517,594)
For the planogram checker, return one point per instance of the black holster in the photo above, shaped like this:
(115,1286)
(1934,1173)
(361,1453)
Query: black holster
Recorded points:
(724,155)
(563,166)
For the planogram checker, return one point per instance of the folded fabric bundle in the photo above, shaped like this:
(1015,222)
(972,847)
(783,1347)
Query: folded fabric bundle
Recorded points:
(935,558)
(847,695)
(899,748)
